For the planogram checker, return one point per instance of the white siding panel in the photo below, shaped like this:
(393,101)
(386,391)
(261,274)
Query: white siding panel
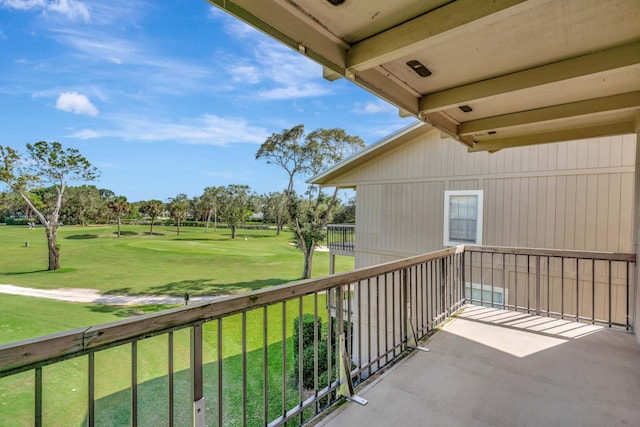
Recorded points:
(537,196)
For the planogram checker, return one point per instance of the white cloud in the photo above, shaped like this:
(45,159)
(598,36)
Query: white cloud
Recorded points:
(282,73)
(294,91)
(207,129)
(77,103)
(142,66)
(373,108)
(87,134)
(23,4)
(232,26)
(245,73)
(72,9)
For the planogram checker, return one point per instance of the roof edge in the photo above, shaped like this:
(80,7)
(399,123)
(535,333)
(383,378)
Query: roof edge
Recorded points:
(370,152)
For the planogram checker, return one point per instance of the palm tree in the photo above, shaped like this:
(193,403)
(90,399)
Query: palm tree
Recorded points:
(119,205)
(179,207)
(210,199)
(153,208)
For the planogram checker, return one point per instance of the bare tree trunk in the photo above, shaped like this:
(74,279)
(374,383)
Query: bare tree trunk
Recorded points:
(54,253)
(151,229)
(308,264)
(50,228)
(208,220)
(233,231)
(178,226)
(118,226)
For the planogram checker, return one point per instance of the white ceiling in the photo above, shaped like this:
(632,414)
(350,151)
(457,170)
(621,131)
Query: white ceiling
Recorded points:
(533,71)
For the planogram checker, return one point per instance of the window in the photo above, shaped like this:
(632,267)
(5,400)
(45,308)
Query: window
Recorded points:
(484,295)
(463,217)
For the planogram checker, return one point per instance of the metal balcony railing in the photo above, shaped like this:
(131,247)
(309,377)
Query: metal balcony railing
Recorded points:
(253,359)
(341,238)
(592,287)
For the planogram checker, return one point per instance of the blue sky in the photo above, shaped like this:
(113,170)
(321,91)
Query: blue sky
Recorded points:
(165,97)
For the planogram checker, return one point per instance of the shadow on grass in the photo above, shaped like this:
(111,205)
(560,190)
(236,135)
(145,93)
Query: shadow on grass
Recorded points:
(121,291)
(82,236)
(200,287)
(194,239)
(240,235)
(153,395)
(146,233)
(127,233)
(129,311)
(44,270)
(208,287)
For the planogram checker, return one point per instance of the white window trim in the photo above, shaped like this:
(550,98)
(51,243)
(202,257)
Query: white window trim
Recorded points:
(447,197)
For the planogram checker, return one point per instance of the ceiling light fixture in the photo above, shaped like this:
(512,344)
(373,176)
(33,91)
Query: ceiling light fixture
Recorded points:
(420,69)
(336,2)
(465,108)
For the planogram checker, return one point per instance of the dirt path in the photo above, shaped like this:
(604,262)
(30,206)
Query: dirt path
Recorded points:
(94,296)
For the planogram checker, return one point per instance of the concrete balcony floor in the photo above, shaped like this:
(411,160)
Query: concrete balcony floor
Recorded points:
(490,367)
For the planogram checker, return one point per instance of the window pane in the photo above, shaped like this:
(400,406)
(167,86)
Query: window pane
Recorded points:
(463,218)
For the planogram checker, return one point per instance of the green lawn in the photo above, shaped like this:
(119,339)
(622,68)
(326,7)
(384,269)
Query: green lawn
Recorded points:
(65,383)
(195,262)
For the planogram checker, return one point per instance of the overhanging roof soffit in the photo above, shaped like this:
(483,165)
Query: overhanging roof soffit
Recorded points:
(498,73)
(573,68)
(592,107)
(419,33)
(621,128)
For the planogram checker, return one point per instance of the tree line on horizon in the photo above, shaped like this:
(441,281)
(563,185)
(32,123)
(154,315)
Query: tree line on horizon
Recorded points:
(39,188)
(90,205)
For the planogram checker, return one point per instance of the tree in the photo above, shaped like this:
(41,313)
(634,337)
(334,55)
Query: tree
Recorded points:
(235,205)
(210,201)
(178,208)
(299,154)
(152,208)
(346,213)
(81,204)
(45,163)
(119,205)
(11,204)
(274,207)
(105,213)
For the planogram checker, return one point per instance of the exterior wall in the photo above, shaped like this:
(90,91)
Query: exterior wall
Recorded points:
(575,195)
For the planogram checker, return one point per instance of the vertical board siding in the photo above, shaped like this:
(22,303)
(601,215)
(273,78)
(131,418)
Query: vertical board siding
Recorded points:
(536,196)
(516,278)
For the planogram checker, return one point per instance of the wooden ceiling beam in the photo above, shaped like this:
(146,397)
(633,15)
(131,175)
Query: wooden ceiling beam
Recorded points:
(627,55)
(415,34)
(621,102)
(619,128)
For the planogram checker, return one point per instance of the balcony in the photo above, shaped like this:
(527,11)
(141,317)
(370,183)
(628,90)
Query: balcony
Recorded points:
(341,239)
(516,337)
(490,367)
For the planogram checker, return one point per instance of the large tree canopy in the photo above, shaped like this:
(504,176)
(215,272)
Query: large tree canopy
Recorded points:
(236,202)
(49,164)
(274,208)
(300,154)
